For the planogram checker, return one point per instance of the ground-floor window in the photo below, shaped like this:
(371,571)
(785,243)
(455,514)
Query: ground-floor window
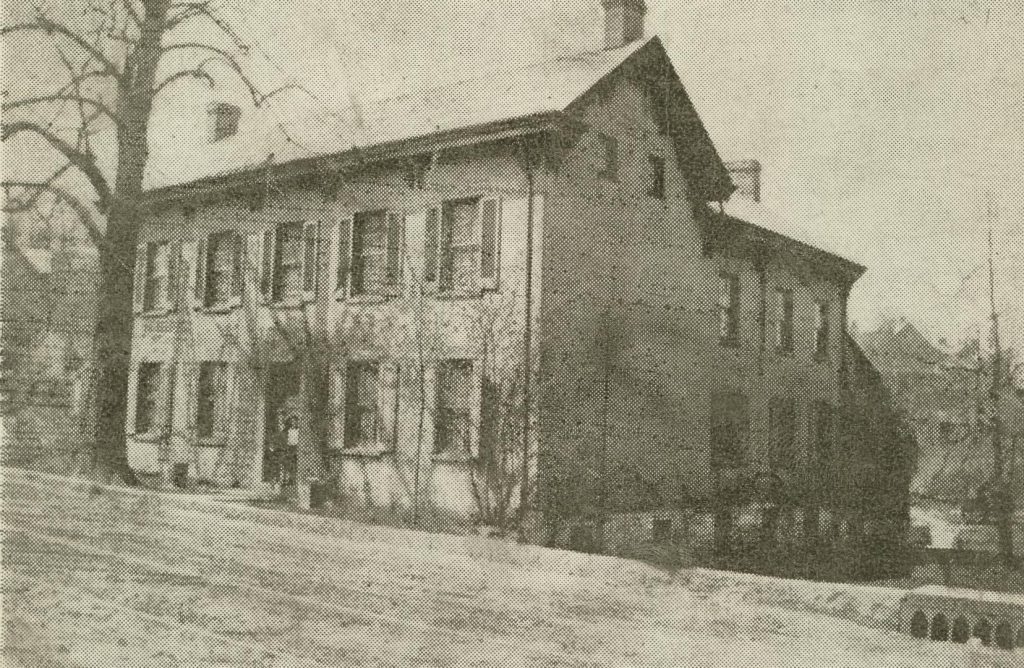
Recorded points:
(147,397)
(362,414)
(211,400)
(730,428)
(454,415)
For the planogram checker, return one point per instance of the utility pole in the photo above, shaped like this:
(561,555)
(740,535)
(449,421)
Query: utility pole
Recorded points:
(1000,496)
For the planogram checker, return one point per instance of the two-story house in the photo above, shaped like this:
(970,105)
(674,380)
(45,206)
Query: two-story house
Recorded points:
(525,276)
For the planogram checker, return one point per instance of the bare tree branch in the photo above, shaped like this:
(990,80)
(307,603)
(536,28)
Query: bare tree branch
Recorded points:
(49,27)
(57,97)
(80,209)
(42,187)
(83,161)
(131,11)
(228,59)
(197,73)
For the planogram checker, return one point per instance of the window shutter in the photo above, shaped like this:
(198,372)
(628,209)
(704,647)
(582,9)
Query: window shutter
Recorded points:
(237,257)
(431,255)
(199,283)
(132,399)
(162,417)
(490,242)
(141,265)
(396,223)
(387,405)
(475,406)
(268,265)
(173,275)
(338,396)
(250,262)
(310,259)
(344,250)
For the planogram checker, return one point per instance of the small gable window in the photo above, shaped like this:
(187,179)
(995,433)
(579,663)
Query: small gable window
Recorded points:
(609,159)
(657,182)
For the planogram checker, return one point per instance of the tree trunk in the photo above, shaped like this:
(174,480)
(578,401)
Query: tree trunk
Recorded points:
(116,256)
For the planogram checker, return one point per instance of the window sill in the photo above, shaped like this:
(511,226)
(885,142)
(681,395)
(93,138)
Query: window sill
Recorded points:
(212,442)
(370,452)
(156,313)
(288,304)
(458,296)
(453,457)
(365,298)
(149,437)
(218,309)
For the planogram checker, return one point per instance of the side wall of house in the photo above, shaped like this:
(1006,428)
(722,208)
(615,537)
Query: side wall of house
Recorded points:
(408,334)
(630,346)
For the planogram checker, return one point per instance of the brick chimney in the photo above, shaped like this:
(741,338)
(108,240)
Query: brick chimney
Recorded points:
(623,22)
(746,176)
(223,120)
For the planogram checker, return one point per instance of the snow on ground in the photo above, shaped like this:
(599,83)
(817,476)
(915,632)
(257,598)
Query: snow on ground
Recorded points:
(95,576)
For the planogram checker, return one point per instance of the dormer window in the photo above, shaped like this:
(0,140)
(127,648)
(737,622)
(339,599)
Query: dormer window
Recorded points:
(224,119)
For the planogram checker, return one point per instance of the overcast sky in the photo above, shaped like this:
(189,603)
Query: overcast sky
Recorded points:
(881,127)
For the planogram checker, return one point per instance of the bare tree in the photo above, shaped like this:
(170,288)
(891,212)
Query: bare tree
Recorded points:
(114,56)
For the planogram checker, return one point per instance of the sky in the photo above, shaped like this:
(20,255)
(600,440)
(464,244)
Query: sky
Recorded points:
(885,127)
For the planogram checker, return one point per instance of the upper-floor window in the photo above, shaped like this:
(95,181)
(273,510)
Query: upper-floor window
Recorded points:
(822,312)
(729,309)
(220,278)
(730,429)
(822,432)
(375,254)
(657,184)
(462,246)
(609,159)
(362,411)
(290,258)
(784,320)
(212,400)
(147,397)
(454,419)
(157,283)
(782,433)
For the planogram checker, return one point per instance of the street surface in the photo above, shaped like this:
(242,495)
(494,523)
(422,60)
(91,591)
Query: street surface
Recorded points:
(94,576)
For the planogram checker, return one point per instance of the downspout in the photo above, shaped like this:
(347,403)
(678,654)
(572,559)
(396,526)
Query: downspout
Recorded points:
(524,494)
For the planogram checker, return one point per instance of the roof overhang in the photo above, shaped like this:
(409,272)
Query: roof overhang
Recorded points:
(361,157)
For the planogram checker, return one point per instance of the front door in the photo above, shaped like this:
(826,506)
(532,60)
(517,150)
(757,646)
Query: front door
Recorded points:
(282,423)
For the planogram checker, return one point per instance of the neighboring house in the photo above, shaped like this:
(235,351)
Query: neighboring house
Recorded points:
(945,396)
(539,254)
(47,315)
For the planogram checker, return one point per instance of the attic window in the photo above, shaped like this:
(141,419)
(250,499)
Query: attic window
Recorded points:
(224,119)
(609,157)
(657,187)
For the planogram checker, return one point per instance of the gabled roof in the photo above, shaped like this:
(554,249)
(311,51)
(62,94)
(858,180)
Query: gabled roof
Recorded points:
(507,101)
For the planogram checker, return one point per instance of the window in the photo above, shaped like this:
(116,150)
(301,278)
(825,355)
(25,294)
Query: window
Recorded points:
(730,426)
(729,309)
(609,157)
(459,249)
(784,320)
(288,284)
(158,276)
(657,189)
(147,397)
(223,261)
(821,330)
(369,253)
(291,255)
(211,398)
(362,414)
(454,412)
(823,433)
(782,433)
(661,530)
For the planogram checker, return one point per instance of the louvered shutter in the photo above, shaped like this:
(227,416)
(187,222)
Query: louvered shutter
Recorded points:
(337,399)
(172,290)
(162,414)
(237,255)
(250,262)
(141,265)
(267,265)
(395,223)
(202,263)
(344,258)
(431,232)
(132,399)
(476,392)
(310,260)
(387,405)
(490,242)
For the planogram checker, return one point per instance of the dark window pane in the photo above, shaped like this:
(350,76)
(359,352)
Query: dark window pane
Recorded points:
(211,399)
(454,388)
(362,416)
(147,394)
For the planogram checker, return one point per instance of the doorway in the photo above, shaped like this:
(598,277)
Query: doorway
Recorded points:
(282,423)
